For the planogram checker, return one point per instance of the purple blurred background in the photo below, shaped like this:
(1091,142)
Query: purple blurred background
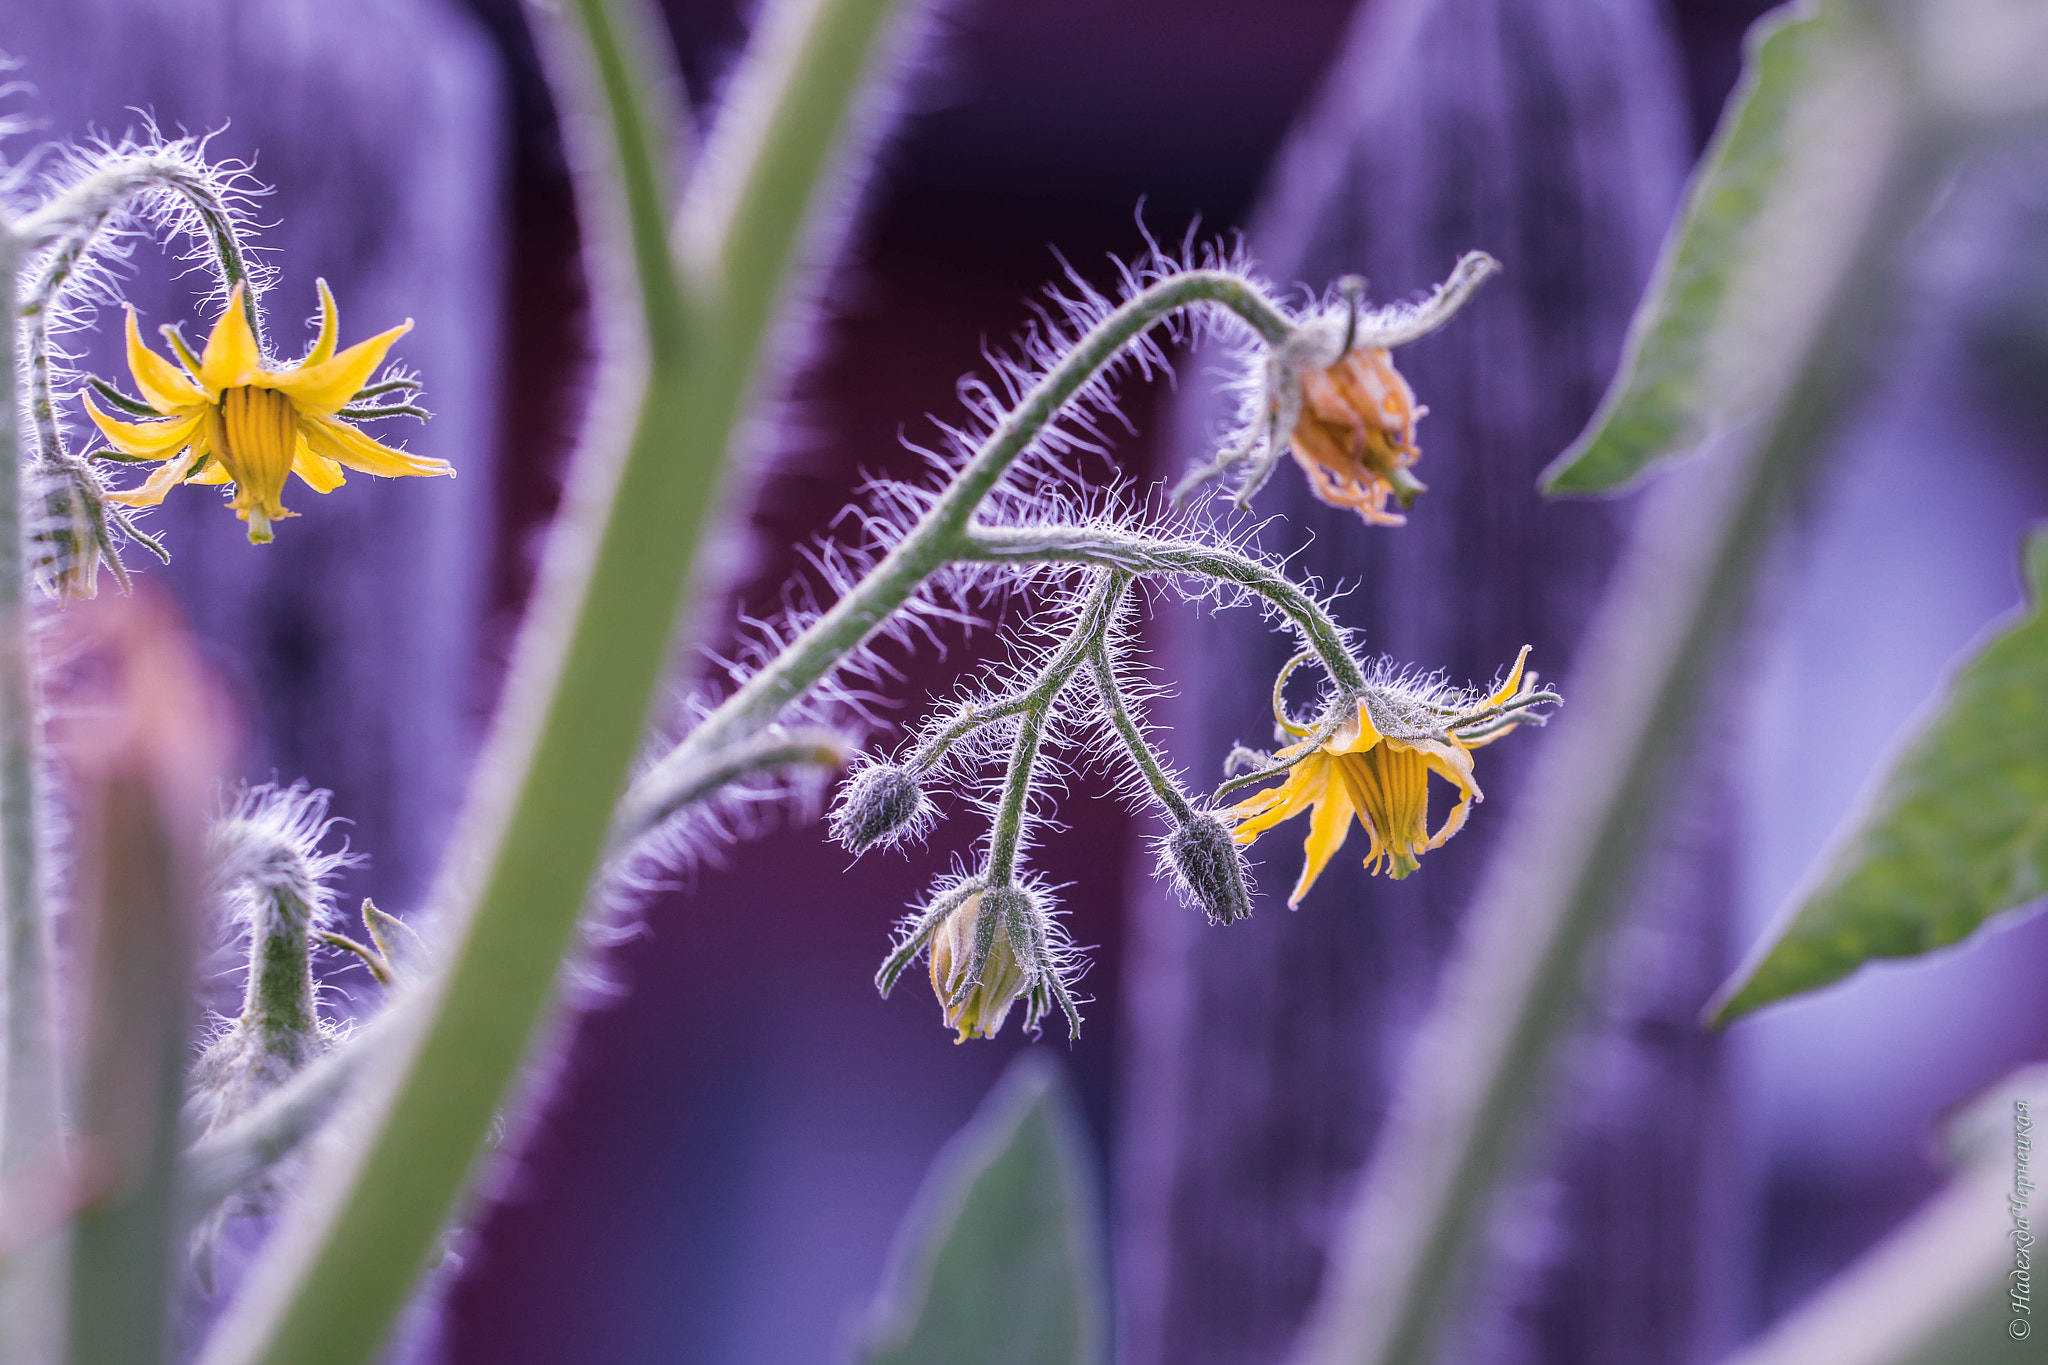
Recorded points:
(735,1133)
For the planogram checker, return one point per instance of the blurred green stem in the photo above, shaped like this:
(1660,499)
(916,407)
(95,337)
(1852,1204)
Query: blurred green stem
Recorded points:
(1513,988)
(29,1125)
(125,1249)
(588,667)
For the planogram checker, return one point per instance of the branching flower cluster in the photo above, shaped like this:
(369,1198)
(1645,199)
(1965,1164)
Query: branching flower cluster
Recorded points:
(1005,513)
(1001,512)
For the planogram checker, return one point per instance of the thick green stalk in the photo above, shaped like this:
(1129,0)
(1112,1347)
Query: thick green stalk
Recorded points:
(589,665)
(1512,990)
(125,1248)
(30,1120)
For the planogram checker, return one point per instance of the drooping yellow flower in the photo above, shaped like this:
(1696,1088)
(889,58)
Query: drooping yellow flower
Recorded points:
(1379,773)
(230,418)
(1356,435)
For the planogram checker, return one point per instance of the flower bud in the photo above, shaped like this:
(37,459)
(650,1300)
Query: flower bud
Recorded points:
(978,1001)
(1209,869)
(882,803)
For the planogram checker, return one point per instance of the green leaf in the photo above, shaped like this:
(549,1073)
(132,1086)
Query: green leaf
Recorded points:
(1770,219)
(999,1261)
(1956,833)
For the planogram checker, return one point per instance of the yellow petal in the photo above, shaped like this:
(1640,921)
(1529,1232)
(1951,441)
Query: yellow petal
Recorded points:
(1302,787)
(161,480)
(324,389)
(160,382)
(231,356)
(1454,765)
(1514,682)
(342,443)
(1390,787)
(1453,822)
(176,341)
(321,474)
(330,326)
(1355,737)
(150,440)
(1448,760)
(1326,830)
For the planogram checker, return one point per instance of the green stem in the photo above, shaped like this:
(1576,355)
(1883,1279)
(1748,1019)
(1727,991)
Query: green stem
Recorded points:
(1139,555)
(941,535)
(125,1251)
(1514,987)
(769,752)
(31,1097)
(1013,807)
(1163,786)
(970,719)
(1006,831)
(247,1147)
(589,664)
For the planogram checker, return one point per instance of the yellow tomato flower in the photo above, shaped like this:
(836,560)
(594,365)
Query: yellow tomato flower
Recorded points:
(1356,435)
(230,418)
(1382,778)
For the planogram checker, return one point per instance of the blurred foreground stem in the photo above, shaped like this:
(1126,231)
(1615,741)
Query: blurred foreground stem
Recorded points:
(589,661)
(28,1126)
(1473,1082)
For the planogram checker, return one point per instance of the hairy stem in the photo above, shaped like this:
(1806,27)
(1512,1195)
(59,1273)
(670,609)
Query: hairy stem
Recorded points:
(1013,807)
(1163,786)
(941,535)
(29,1125)
(1006,831)
(1139,555)
(771,751)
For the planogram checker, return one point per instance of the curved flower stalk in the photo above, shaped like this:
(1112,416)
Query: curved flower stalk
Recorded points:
(227,415)
(98,200)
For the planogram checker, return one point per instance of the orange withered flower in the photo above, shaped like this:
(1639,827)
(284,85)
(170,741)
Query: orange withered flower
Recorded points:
(1355,438)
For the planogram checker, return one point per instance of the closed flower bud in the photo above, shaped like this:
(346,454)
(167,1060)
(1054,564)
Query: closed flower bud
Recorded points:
(1209,869)
(880,804)
(977,1002)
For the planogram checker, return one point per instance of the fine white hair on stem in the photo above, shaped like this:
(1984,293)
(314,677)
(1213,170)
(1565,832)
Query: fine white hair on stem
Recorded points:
(84,212)
(270,841)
